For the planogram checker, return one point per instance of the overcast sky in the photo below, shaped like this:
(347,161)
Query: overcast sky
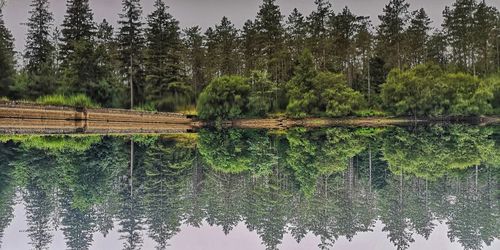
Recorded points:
(206,13)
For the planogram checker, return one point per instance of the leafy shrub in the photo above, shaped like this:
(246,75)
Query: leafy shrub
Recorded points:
(224,98)
(427,90)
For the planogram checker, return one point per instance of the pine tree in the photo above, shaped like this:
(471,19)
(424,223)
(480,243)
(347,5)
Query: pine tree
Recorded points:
(39,53)
(486,19)
(195,58)
(39,48)
(417,37)
(296,33)
(270,39)
(131,42)
(318,36)
(390,33)
(163,57)
(108,91)
(458,27)
(227,39)
(437,48)
(78,26)
(249,48)
(6,58)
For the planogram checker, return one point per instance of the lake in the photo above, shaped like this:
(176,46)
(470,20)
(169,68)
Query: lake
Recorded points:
(425,187)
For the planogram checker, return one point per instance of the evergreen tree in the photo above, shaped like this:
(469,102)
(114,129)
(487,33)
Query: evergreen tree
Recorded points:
(226,36)
(485,20)
(163,58)
(131,45)
(39,51)
(6,58)
(296,33)
(39,48)
(249,48)
(417,37)
(318,37)
(270,39)
(195,58)
(437,48)
(458,26)
(109,90)
(78,26)
(390,33)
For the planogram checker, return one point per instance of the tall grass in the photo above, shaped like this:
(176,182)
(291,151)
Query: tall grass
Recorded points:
(79,100)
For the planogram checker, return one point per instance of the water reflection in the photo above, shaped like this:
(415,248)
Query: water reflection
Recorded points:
(331,183)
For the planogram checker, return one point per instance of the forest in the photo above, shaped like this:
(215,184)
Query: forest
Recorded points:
(324,63)
(333,183)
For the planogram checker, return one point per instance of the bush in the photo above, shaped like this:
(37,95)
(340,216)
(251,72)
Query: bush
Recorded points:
(80,100)
(427,90)
(224,98)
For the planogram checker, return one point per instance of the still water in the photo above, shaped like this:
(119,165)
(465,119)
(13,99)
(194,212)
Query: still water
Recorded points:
(338,188)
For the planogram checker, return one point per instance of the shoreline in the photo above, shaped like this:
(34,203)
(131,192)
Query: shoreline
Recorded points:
(23,118)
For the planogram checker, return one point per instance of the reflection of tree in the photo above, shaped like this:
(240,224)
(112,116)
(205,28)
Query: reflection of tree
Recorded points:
(167,166)
(7,188)
(332,183)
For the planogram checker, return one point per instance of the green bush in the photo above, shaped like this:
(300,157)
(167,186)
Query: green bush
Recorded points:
(79,100)
(224,98)
(427,90)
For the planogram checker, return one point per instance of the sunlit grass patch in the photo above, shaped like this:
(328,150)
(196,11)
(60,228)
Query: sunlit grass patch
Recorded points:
(79,100)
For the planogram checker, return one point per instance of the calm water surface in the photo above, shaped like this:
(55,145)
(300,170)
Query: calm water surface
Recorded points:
(399,188)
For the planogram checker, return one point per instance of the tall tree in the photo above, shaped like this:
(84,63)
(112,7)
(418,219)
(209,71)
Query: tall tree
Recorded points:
(39,51)
(195,58)
(131,42)
(226,36)
(78,26)
(6,57)
(270,39)
(486,21)
(390,33)
(417,37)
(296,33)
(318,37)
(458,26)
(163,58)
(249,48)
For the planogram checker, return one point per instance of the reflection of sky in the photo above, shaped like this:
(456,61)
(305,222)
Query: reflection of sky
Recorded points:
(213,238)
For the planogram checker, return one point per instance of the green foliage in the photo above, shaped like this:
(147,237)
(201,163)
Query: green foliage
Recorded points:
(427,90)
(81,101)
(224,98)
(53,143)
(313,93)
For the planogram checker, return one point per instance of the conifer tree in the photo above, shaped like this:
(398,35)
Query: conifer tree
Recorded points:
(417,37)
(6,58)
(39,48)
(249,48)
(195,58)
(39,51)
(390,33)
(318,37)
(458,27)
(131,47)
(163,58)
(296,33)
(270,38)
(227,39)
(78,26)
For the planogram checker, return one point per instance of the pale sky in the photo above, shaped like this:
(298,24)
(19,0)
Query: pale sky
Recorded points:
(206,13)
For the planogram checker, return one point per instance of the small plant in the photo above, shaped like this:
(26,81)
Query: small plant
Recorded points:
(148,107)
(370,113)
(80,100)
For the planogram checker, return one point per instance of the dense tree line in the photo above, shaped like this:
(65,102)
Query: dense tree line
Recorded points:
(331,183)
(150,59)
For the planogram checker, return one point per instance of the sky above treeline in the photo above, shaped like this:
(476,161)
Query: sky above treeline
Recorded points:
(206,13)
